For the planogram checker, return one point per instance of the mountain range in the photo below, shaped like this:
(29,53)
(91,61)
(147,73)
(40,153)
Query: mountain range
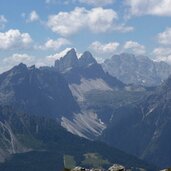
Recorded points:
(122,109)
(34,143)
(41,109)
(137,69)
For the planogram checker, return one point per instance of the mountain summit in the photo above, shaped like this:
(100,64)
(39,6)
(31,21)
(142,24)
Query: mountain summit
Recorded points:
(71,61)
(67,62)
(86,59)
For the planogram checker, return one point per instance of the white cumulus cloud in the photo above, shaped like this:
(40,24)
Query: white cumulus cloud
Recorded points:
(102,51)
(58,55)
(134,47)
(10,61)
(104,48)
(165,37)
(14,39)
(97,20)
(3,21)
(54,44)
(149,7)
(18,58)
(162,54)
(33,16)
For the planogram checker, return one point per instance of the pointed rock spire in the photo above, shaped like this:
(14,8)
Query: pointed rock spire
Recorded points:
(86,59)
(67,62)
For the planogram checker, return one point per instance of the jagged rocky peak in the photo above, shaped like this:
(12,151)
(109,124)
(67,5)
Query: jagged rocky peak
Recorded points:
(20,67)
(86,59)
(71,54)
(70,61)
(32,67)
(67,62)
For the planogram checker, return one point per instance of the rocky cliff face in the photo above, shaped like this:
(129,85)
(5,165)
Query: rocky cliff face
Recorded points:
(36,91)
(9,143)
(67,62)
(142,128)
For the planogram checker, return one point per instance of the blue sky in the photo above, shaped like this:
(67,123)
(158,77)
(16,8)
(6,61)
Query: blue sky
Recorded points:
(40,31)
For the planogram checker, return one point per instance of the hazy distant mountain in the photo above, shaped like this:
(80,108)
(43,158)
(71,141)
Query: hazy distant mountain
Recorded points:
(37,91)
(139,70)
(143,128)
